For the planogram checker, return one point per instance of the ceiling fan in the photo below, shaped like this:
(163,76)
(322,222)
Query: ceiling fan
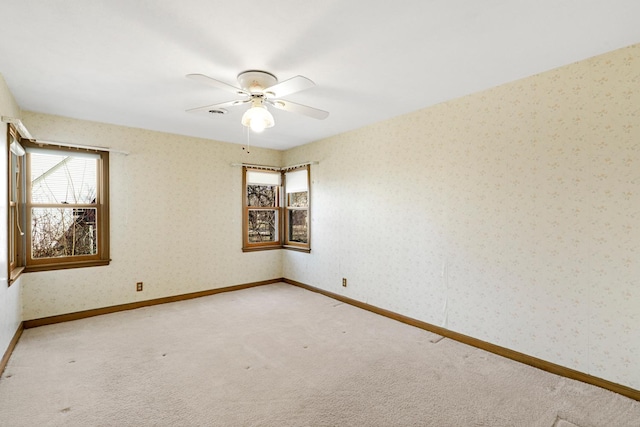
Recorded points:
(260,88)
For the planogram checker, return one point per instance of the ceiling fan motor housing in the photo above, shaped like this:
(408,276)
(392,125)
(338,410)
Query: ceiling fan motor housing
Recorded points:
(256,81)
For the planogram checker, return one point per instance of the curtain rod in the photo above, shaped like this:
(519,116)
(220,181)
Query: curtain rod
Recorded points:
(299,165)
(275,168)
(24,133)
(83,147)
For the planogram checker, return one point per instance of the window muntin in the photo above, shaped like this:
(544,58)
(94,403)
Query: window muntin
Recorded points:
(67,208)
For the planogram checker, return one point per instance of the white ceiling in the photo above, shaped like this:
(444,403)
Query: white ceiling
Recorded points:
(125,61)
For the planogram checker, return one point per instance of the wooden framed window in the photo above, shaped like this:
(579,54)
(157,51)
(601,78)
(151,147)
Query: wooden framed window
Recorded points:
(261,209)
(67,207)
(296,209)
(275,209)
(15,215)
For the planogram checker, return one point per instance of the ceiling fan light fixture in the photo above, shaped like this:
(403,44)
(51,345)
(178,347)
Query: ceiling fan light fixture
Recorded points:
(260,88)
(258,118)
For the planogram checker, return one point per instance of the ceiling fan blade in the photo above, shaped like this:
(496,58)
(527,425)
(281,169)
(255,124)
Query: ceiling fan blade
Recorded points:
(292,85)
(293,107)
(219,105)
(216,83)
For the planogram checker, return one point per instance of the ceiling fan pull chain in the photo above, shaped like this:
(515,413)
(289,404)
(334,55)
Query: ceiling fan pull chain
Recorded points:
(246,130)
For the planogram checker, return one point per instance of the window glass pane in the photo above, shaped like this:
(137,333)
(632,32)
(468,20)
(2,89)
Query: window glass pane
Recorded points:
(262,226)
(12,235)
(15,176)
(60,232)
(61,178)
(262,195)
(298,226)
(298,200)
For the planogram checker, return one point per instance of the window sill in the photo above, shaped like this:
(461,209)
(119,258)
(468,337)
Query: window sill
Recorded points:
(297,248)
(269,248)
(261,248)
(63,266)
(15,273)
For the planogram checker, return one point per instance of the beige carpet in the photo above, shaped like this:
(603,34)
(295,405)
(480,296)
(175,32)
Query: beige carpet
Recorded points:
(279,355)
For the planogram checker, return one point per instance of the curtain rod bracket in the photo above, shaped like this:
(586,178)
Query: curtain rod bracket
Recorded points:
(22,129)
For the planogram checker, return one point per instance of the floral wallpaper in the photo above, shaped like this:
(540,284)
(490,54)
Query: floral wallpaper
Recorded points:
(511,215)
(175,218)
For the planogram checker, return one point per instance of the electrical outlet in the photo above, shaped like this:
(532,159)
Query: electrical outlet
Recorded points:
(344,282)
(139,287)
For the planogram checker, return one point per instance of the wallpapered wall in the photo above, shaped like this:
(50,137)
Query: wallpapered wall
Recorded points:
(10,297)
(175,220)
(512,215)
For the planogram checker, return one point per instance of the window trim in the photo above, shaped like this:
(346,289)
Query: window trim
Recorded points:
(281,209)
(102,216)
(288,244)
(246,245)
(15,241)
